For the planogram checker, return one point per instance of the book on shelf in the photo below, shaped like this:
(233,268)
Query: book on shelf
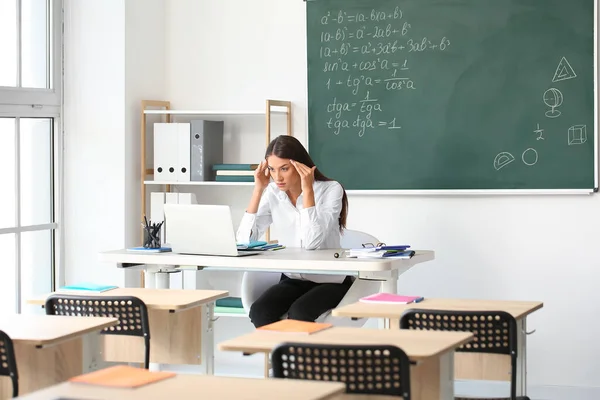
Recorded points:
(234,178)
(294,326)
(234,172)
(234,167)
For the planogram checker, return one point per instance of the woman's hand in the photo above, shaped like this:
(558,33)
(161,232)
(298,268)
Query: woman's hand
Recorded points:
(262,176)
(307,175)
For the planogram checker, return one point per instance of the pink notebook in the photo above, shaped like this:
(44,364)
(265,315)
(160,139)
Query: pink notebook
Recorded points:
(388,298)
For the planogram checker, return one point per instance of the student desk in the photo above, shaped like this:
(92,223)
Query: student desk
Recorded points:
(431,378)
(286,260)
(181,327)
(468,365)
(48,349)
(193,387)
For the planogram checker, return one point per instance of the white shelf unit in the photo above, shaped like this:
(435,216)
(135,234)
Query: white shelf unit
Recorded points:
(213,112)
(160,107)
(199,183)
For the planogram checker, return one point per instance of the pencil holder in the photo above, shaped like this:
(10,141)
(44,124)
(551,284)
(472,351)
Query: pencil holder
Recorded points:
(152,236)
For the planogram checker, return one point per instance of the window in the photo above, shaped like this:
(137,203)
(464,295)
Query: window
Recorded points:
(30,149)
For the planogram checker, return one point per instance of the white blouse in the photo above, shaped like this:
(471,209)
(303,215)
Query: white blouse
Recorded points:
(311,228)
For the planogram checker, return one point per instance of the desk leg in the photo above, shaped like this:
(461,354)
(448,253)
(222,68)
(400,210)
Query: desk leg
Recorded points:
(149,279)
(522,357)
(162,280)
(208,339)
(433,379)
(390,285)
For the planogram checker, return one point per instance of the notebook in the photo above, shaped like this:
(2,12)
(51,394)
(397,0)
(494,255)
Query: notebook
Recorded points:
(87,287)
(149,250)
(294,326)
(388,298)
(122,376)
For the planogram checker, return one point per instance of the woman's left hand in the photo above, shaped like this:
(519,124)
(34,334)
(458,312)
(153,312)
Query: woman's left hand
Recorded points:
(307,175)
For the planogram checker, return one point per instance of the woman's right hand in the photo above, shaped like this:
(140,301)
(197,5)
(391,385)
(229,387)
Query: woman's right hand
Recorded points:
(262,176)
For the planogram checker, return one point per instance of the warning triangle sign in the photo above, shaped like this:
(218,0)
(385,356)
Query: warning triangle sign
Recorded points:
(563,71)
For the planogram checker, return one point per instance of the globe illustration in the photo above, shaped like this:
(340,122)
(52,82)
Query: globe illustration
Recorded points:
(553,98)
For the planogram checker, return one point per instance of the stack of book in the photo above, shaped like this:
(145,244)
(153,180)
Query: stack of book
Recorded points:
(399,251)
(234,172)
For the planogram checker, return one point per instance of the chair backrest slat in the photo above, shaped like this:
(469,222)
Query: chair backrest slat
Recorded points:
(131,312)
(494,331)
(364,369)
(8,362)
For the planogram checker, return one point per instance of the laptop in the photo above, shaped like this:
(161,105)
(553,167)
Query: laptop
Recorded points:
(201,230)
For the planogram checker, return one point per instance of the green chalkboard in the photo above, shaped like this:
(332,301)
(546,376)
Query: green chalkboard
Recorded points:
(452,94)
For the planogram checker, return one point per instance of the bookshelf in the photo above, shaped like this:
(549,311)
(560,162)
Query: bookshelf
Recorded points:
(273,108)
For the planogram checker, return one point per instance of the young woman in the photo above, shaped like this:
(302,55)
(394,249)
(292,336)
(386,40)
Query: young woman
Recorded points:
(311,209)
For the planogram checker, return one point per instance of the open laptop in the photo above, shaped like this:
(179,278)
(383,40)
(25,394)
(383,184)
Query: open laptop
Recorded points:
(202,230)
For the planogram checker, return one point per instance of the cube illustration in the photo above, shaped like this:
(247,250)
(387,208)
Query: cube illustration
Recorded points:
(577,135)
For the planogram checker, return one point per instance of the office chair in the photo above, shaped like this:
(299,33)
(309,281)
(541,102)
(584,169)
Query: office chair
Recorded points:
(255,283)
(377,370)
(494,332)
(130,311)
(8,362)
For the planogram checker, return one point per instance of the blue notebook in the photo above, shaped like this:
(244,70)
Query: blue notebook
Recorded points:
(142,249)
(88,287)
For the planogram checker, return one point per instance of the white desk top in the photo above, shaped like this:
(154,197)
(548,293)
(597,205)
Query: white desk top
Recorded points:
(45,330)
(286,260)
(192,387)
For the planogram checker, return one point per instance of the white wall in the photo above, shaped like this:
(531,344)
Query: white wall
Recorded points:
(235,54)
(145,80)
(94,127)
(113,59)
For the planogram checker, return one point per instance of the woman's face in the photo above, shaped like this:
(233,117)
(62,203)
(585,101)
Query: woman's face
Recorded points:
(283,173)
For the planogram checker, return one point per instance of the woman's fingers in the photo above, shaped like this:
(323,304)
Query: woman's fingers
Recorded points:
(301,168)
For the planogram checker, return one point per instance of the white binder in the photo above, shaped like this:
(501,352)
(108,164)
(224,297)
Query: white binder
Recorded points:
(187,198)
(165,152)
(183,152)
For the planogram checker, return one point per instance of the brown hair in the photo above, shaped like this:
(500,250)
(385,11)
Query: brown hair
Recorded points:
(286,146)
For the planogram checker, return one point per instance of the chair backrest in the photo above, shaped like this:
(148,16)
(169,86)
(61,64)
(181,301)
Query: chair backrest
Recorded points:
(383,370)
(350,239)
(8,362)
(494,331)
(131,312)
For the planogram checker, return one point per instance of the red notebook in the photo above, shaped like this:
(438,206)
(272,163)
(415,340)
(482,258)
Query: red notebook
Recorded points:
(388,298)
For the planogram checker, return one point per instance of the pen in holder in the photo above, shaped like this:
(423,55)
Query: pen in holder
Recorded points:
(151,234)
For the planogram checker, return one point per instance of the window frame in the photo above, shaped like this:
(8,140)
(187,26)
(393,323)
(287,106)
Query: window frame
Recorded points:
(17,102)
(41,97)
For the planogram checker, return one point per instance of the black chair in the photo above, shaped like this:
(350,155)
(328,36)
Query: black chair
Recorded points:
(494,332)
(130,311)
(364,369)
(8,362)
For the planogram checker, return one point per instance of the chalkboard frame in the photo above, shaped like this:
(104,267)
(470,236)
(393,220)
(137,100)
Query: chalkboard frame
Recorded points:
(510,192)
